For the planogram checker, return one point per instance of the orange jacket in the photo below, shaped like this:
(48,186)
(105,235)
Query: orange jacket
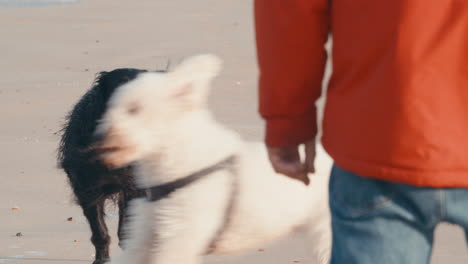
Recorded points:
(397,102)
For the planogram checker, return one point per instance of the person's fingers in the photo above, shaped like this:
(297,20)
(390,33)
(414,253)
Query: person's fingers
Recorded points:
(287,167)
(310,153)
(294,171)
(287,161)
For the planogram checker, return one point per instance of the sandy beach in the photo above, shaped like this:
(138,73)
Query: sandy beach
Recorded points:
(49,58)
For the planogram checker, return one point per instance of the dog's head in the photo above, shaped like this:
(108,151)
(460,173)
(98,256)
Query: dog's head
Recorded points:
(109,81)
(142,113)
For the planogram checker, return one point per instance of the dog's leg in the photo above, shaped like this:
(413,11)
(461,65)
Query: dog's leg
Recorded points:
(185,226)
(139,234)
(124,198)
(123,203)
(178,249)
(100,236)
(174,245)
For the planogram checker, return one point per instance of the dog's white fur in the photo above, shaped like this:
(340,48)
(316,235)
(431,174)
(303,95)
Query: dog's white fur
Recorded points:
(160,121)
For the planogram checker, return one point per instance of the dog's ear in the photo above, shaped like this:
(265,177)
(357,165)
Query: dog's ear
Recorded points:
(191,79)
(204,66)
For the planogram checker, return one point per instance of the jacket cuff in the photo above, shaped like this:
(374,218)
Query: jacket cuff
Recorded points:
(290,131)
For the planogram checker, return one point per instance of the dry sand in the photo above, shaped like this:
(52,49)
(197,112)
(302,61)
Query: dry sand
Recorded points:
(48,59)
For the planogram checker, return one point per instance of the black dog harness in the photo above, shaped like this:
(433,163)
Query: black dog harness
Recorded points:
(159,192)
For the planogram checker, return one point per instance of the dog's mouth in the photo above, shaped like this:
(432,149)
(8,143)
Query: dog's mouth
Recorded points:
(99,149)
(113,156)
(102,150)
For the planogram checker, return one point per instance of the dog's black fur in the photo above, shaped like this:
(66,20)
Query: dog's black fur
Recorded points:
(92,182)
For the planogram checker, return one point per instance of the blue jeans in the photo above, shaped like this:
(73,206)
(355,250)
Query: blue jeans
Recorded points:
(380,222)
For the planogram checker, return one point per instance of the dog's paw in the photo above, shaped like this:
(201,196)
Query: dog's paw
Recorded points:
(101,261)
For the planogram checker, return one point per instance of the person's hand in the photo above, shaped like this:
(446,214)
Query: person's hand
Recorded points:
(286,160)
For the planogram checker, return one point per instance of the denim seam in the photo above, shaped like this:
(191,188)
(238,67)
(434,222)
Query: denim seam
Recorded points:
(442,205)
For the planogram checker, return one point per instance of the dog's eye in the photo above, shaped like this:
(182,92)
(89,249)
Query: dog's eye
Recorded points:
(134,109)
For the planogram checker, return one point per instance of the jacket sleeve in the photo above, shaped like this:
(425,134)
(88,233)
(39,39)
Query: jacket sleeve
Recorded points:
(290,38)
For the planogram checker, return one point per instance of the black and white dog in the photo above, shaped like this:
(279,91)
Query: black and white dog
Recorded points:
(93,182)
(207,189)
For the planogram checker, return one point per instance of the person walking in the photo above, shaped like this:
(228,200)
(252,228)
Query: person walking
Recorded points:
(395,119)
